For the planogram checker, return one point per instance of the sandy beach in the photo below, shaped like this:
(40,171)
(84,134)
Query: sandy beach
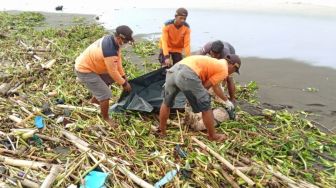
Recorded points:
(287,82)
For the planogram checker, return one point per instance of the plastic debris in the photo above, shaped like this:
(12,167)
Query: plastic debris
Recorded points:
(166,179)
(39,122)
(180,152)
(95,179)
(46,110)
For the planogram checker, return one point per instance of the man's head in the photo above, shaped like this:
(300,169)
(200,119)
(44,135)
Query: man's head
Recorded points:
(123,34)
(216,49)
(180,16)
(234,63)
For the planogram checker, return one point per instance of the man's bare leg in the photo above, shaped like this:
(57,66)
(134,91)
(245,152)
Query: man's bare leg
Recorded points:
(208,120)
(164,115)
(104,108)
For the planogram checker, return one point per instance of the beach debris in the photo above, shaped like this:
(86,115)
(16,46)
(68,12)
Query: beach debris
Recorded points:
(290,152)
(94,179)
(4,88)
(166,179)
(310,89)
(59,8)
(39,122)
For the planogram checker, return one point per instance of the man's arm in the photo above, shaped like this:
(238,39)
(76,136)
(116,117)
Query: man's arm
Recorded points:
(231,88)
(112,69)
(219,92)
(187,43)
(165,41)
(120,67)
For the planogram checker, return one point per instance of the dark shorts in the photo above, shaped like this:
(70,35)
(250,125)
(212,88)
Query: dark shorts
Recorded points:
(176,57)
(98,84)
(181,78)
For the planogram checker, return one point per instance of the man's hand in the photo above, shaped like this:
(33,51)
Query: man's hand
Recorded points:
(167,62)
(127,87)
(229,105)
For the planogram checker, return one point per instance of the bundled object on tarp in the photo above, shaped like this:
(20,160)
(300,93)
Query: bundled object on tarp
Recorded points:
(146,94)
(95,179)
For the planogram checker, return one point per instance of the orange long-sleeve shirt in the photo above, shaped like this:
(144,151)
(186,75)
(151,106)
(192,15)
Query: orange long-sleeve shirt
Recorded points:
(175,39)
(103,56)
(207,68)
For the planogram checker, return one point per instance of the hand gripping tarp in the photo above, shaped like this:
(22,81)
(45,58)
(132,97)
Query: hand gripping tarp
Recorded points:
(146,94)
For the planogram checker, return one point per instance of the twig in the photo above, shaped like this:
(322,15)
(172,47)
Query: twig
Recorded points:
(180,127)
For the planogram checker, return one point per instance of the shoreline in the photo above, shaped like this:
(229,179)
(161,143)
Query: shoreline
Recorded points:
(308,7)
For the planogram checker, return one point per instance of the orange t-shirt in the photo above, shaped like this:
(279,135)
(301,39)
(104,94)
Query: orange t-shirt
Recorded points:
(103,56)
(175,39)
(207,68)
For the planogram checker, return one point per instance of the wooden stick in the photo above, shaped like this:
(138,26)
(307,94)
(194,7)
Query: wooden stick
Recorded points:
(77,108)
(54,172)
(53,139)
(224,161)
(74,138)
(24,163)
(18,153)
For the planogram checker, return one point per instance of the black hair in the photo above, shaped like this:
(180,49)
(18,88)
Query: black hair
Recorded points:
(217,46)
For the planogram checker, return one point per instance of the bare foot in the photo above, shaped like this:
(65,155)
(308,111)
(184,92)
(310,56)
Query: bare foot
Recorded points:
(111,123)
(160,134)
(218,137)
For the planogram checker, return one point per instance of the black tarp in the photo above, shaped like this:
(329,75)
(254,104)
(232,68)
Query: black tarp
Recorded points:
(146,94)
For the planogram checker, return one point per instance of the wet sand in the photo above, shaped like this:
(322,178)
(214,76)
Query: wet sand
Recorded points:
(285,82)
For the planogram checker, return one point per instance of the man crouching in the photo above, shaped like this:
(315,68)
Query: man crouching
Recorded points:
(193,76)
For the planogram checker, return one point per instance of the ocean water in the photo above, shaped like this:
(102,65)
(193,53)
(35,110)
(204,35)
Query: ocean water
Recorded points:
(266,34)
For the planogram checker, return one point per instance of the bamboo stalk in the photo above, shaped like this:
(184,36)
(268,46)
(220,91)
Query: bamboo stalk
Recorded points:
(24,163)
(77,108)
(74,138)
(49,180)
(224,161)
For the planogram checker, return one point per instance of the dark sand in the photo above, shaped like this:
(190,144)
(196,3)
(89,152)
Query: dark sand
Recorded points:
(284,81)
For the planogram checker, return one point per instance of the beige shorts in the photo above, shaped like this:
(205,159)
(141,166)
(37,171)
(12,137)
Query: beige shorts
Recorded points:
(98,84)
(181,78)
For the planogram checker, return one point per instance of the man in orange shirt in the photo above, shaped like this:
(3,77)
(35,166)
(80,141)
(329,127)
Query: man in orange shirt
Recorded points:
(175,37)
(193,76)
(100,65)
